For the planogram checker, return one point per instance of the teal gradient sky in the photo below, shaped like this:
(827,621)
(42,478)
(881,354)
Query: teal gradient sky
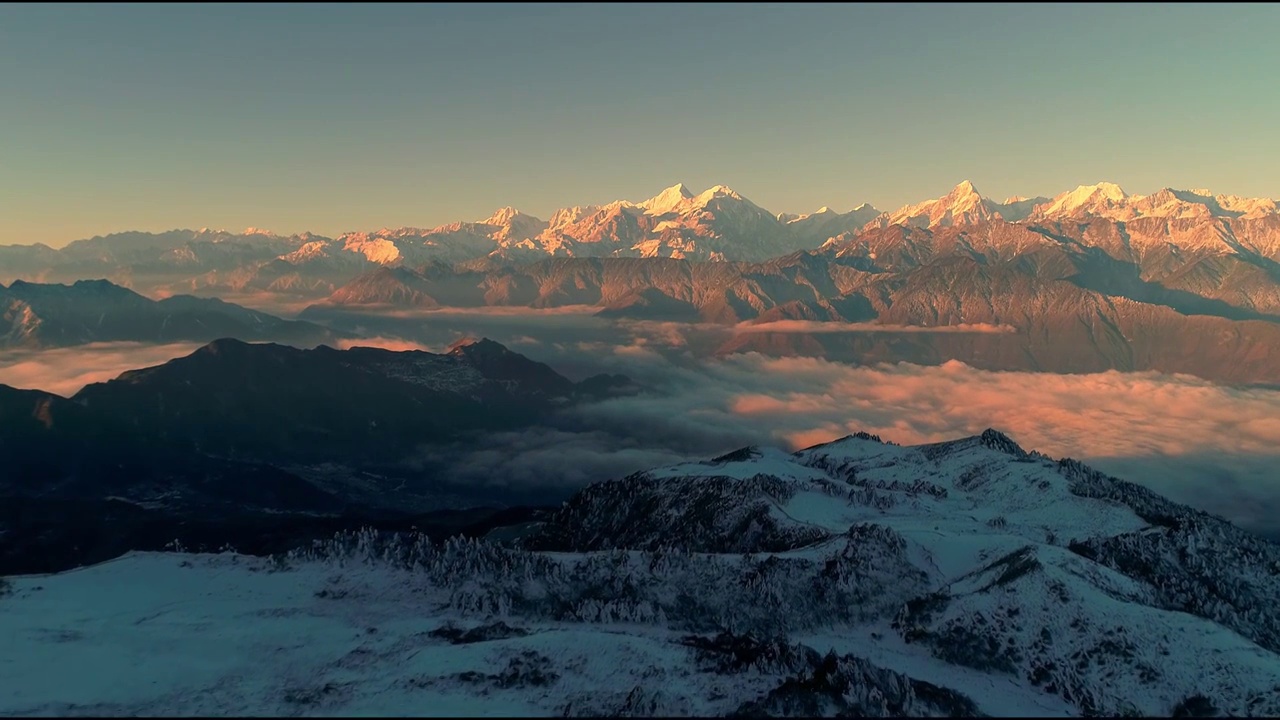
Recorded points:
(333,117)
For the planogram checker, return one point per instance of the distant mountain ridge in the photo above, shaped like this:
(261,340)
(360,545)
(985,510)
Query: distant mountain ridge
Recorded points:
(1090,280)
(1184,295)
(36,315)
(718,224)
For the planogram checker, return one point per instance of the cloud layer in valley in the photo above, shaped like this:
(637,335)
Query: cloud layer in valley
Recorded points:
(811,326)
(1206,445)
(64,371)
(385,343)
(1209,446)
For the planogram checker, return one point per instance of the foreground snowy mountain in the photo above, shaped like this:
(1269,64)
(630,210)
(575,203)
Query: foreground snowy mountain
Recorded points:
(856,577)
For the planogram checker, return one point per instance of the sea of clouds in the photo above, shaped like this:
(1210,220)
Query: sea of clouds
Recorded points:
(1210,446)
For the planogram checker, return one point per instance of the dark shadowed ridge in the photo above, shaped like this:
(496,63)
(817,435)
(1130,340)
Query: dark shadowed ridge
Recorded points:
(270,403)
(496,362)
(252,436)
(42,315)
(275,402)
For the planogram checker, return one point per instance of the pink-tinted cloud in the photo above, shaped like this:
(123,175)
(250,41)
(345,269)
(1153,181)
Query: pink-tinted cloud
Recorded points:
(64,371)
(1210,446)
(1102,414)
(385,343)
(495,311)
(811,326)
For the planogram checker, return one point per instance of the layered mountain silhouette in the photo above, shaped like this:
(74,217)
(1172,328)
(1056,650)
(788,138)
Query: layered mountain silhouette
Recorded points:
(1091,279)
(1191,295)
(261,446)
(237,429)
(283,405)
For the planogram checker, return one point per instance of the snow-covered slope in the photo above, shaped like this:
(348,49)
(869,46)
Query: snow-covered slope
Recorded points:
(716,224)
(856,577)
(964,205)
(816,228)
(721,224)
(1108,200)
(166,634)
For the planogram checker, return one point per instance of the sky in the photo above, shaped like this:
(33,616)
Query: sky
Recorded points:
(336,117)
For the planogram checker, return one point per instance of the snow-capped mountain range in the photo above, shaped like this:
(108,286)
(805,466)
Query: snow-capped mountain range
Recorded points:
(715,224)
(855,578)
(964,205)
(1176,295)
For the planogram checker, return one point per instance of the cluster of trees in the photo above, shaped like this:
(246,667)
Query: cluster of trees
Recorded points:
(717,514)
(862,576)
(1195,562)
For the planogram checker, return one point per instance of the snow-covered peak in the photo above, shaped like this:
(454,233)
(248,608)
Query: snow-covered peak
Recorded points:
(1248,207)
(714,193)
(669,200)
(964,198)
(962,206)
(567,216)
(386,232)
(1086,198)
(375,250)
(1107,190)
(1202,203)
(309,251)
(505,216)
(818,227)
(1108,200)
(257,231)
(823,213)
